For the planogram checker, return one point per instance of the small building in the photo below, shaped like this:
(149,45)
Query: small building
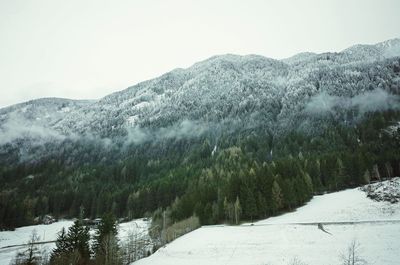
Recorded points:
(48,219)
(97,221)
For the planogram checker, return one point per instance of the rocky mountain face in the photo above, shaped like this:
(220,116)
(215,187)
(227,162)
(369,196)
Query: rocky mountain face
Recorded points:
(223,94)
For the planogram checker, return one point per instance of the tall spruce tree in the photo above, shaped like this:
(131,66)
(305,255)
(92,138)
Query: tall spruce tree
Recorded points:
(106,242)
(237,210)
(72,247)
(277,200)
(62,246)
(78,239)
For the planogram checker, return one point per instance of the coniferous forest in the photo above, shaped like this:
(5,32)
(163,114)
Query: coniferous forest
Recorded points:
(252,172)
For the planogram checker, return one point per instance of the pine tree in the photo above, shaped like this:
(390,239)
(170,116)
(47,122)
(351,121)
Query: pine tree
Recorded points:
(289,194)
(341,177)
(314,170)
(262,205)
(237,210)
(277,200)
(106,243)
(250,204)
(308,184)
(78,239)
(229,211)
(72,247)
(62,245)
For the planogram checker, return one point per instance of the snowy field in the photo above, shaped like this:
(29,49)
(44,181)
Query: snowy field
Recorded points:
(294,237)
(49,233)
(22,235)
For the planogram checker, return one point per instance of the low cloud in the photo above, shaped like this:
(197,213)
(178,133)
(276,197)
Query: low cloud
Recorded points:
(184,129)
(375,100)
(17,127)
(322,103)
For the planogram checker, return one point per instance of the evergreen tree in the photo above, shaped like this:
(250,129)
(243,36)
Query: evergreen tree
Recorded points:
(314,170)
(262,205)
(78,239)
(106,243)
(289,194)
(229,211)
(341,177)
(250,207)
(308,185)
(72,247)
(62,245)
(237,210)
(277,200)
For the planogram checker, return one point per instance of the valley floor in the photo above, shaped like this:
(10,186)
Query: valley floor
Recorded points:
(295,237)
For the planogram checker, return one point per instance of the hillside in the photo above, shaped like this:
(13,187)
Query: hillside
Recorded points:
(249,131)
(347,215)
(221,90)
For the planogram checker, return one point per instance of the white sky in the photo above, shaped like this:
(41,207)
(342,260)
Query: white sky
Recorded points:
(87,49)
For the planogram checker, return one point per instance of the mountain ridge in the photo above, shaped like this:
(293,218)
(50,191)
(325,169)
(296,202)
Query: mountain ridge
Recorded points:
(223,88)
(384,44)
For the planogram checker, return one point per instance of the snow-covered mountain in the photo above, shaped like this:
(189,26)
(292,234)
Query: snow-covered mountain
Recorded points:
(227,91)
(35,117)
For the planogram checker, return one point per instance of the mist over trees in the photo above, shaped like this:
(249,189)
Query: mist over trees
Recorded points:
(229,139)
(241,181)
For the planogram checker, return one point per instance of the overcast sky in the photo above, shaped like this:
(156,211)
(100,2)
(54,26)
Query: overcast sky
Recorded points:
(87,49)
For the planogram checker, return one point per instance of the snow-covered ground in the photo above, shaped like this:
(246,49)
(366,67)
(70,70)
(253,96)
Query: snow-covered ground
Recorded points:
(139,227)
(348,215)
(22,235)
(49,233)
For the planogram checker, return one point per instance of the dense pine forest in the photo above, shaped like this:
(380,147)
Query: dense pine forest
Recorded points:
(253,176)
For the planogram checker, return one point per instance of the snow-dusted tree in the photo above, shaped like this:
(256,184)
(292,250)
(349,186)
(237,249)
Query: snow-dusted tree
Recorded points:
(62,247)
(237,210)
(32,255)
(229,211)
(296,261)
(352,256)
(376,174)
(106,242)
(109,251)
(367,177)
(61,243)
(72,247)
(131,248)
(277,198)
(78,239)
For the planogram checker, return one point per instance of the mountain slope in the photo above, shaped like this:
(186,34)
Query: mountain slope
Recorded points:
(347,215)
(266,133)
(231,88)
